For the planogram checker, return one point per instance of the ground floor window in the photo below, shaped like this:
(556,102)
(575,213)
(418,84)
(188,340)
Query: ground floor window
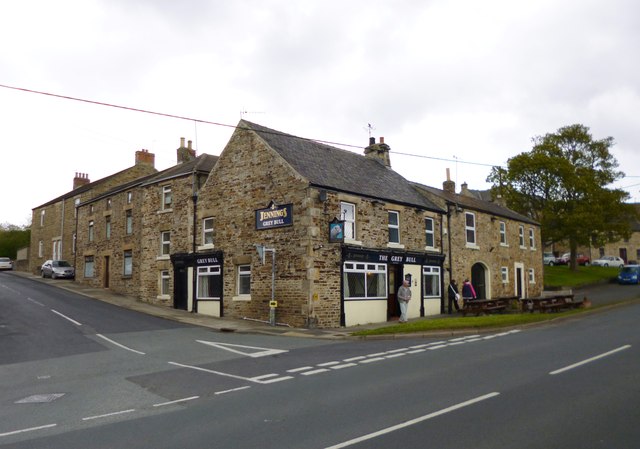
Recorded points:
(128,263)
(244,279)
(209,282)
(88,267)
(431,281)
(365,281)
(164,282)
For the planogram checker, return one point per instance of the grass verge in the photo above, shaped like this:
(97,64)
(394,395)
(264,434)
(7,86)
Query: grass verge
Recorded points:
(562,276)
(460,323)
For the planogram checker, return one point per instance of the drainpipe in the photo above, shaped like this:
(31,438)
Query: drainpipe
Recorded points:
(450,249)
(193,245)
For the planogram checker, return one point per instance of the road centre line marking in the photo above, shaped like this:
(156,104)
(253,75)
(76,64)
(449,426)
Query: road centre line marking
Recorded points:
(354,359)
(393,356)
(177,401)
(265,376)
(106,415)
(328,363)
(35,302)
(416,351)
(297,370)
(119,345)
(413,421)
(455,343)
(232,390)
(437,347)
(393,351)
(66,317)
(345,365)
(30,429)
(376,359)
(279,379)
(592,359)
(377,354)
(317,371)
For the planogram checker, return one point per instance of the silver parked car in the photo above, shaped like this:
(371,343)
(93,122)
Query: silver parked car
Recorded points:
(608,261)
(6,263)
(57,269)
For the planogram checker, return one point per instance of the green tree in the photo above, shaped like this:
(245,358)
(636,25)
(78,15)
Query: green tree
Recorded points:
(562,183)
(12,238)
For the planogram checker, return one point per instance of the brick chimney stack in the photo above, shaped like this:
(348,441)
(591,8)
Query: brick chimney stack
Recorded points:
(144,157)
(449,186)
(80,180)
(378,151)
(464,190)
(185,154)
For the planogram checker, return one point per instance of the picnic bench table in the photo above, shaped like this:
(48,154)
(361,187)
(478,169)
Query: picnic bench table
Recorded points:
(479,306)
(550,303)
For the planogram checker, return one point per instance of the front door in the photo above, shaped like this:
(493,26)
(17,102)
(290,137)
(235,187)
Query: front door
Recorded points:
(395,281)
(623,254)
(479,281)
(180,286)
(106,272)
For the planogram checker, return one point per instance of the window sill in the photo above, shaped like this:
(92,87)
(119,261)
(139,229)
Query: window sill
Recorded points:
(395,245)
(164,211)
(164,257)
(472,246)
(245,298)
(205,247)
(432,249)
(504,245)
(352,242)
(163,297)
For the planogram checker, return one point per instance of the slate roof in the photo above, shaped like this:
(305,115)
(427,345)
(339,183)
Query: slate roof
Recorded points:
(331,168)
(81,189)
(477,204)
(202,164)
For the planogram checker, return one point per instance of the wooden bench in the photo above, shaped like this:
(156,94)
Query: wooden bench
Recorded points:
(550,303)
(479,306)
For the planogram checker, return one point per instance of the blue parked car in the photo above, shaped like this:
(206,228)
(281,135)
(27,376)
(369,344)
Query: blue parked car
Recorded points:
(629,274)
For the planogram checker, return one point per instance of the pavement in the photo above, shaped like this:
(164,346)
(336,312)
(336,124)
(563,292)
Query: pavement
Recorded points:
(599,295)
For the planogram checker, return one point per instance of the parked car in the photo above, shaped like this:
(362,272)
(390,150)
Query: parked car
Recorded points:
(581,259)
(6,263)
(608,261)
(57,269)
(549,259)
(629,274)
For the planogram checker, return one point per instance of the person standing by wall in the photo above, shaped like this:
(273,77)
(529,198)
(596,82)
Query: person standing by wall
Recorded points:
(404,296)
(468,292)
(454,295)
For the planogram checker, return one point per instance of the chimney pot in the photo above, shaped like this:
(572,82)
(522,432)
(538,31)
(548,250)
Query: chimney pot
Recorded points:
(181,142)
(372,140)
(381,140)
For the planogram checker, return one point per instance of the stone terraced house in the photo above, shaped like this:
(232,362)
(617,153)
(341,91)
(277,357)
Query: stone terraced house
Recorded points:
(327,234)
(127,234)
(497,249)
(53,225)
(343,230)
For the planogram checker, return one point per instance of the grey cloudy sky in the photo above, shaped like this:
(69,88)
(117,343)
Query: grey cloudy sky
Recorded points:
(458,80)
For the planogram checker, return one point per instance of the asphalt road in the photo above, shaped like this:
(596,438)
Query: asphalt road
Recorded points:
(132,381)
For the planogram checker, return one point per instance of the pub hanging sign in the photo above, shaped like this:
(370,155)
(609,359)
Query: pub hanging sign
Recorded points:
(274,216)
